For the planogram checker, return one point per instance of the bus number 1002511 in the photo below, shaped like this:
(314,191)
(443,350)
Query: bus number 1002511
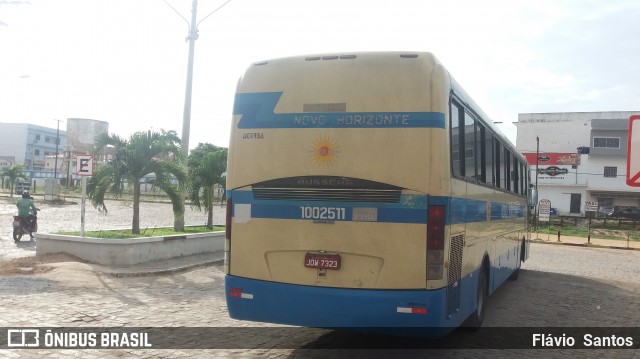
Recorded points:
(323,213)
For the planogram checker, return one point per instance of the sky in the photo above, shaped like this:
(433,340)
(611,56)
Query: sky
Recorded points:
(125,61)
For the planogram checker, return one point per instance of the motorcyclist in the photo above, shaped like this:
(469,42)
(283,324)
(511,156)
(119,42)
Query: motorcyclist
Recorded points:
(25,205)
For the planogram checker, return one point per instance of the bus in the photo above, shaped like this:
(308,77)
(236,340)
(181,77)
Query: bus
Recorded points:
(368,191)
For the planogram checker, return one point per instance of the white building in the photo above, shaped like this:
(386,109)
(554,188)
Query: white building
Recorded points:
(582,157)
(30,144)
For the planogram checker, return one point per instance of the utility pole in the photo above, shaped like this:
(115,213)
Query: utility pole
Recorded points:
(192,37)
(55,166)
(186,118)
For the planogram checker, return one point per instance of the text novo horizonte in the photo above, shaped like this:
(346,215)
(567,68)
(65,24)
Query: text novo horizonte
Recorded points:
(353,120)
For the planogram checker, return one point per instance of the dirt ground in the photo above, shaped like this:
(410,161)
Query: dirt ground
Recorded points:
(621,234)
(35,264)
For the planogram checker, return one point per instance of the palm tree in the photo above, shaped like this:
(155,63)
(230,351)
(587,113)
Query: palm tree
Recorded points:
(207,163)
(144,154)
(13,172)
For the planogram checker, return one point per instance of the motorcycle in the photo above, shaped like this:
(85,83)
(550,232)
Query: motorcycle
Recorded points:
(22,226)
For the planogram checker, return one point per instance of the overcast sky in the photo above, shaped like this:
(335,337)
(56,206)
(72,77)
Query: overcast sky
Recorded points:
(125,61)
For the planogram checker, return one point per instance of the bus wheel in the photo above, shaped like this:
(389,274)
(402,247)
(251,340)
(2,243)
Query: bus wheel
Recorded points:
(515,274)
(474,322)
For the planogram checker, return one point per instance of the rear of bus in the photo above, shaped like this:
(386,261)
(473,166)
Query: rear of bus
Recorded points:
(338,179)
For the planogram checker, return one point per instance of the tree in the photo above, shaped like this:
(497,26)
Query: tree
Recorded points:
(14,172)
(207,164)
(145,154)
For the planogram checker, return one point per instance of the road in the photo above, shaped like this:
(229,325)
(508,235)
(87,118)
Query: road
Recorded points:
(560,286)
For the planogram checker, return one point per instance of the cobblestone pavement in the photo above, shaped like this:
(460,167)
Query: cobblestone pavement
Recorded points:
(553,290)
(559,286)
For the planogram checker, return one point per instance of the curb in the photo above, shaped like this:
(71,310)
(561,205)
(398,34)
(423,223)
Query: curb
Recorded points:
(142,273)
(586,245)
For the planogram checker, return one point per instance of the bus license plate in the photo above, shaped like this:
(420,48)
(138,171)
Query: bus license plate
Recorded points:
(322,261)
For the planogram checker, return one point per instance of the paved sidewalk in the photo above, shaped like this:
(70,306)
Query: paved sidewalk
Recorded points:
(167,266)
(581,241)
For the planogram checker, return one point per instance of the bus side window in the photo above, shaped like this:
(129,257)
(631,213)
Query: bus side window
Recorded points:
(470,152)
(498,164)
(523,179)
(516,174)
(487,157)
(456,159)
(481,156)
(507,169)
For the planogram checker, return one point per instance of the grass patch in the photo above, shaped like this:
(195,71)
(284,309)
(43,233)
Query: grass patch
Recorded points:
(146,232)
(581,231)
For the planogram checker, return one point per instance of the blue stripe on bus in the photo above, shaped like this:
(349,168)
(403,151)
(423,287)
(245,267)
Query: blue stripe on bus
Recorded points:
(369,309)
(326,307)
(410,209)
(257,110)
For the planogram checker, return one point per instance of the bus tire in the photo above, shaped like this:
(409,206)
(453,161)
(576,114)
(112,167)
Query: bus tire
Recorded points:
(474,322)
(516,273)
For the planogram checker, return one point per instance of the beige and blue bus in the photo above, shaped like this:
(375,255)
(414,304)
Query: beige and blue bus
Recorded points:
(369,191)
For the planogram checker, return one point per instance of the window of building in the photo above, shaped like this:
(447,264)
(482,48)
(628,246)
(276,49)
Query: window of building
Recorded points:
(611,172)
(37,152)
(606,142)
(605,205)
(576,201)
(37,137)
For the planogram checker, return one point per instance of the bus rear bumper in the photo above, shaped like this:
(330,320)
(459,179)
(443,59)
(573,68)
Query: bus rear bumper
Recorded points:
(406,312)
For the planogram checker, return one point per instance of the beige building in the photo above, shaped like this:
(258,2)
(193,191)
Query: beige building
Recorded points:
(582,159)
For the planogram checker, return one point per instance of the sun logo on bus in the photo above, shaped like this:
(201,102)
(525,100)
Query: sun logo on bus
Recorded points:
(324,151)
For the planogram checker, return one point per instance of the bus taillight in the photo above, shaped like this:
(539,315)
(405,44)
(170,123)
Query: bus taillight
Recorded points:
(239,293)
(436,220)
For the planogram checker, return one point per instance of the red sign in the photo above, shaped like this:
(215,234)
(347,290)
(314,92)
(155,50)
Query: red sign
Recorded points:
(633,152)
(553,159)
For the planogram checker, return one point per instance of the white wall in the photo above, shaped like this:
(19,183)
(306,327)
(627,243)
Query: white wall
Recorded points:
(592,169)
(559,132)
(13,140)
